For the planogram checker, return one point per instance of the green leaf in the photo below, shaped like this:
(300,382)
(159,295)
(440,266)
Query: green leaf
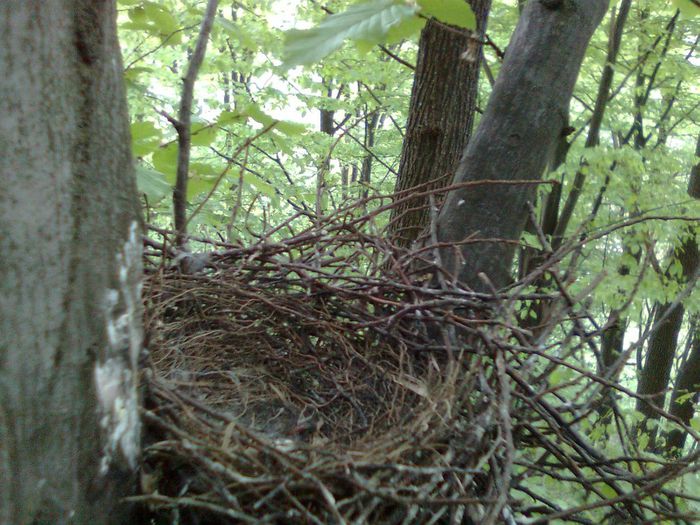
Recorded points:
(606,490)
(643,441)
(165,161)
(236,32)
(205,169)
(145,138)
(156,20)
(284,126)
(198,185)
(231,117)
(368,22)
(687,7)
(685,398)
(161,18)
(133,73)
(455,12)
(202,133)
(406,29)
(560,375)
(138,16)
(259,185)
(695,423)
(152,183)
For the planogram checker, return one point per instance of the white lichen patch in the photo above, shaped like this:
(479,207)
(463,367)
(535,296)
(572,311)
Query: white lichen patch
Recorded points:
(115,374)
(116,392)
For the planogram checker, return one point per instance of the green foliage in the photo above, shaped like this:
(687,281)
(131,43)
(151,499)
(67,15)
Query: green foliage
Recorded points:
(155,19)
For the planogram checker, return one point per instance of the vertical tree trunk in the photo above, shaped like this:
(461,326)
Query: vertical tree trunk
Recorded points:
(440,117)
(687,382)
(655,375)
(70,257)
(526,115)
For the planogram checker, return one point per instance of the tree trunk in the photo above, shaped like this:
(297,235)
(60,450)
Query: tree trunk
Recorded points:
(687,382)
(526,115)
(371,123)
(70,254)
(440,117)
(656,373)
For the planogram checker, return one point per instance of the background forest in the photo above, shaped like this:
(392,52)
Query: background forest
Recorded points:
(291,127)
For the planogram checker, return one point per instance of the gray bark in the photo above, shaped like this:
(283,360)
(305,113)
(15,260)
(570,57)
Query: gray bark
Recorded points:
(522,123)
(70,321)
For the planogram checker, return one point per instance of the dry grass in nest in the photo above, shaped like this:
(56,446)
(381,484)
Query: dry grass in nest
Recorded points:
(314,380)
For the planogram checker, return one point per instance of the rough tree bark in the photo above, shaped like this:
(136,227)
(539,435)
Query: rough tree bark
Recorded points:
(525,116)
(70,257)
(440,117)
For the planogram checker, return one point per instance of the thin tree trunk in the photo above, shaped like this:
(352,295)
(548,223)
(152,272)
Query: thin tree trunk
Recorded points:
(183,123)
(526,115)
(371,123)
(440,117)
(70,257)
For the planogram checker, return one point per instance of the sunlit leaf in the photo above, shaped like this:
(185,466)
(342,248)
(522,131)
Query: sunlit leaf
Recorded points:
(202,133)
(145,138)
(688,7)
(455,12)
(406,29)
(284,126)
(607,491)
(368,22)
(259,185)
(236,32)
(161,18)
(156,20)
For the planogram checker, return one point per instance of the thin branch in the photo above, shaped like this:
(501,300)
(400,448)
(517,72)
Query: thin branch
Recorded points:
(182,126)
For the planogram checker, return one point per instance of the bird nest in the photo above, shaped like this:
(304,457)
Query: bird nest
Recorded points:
(331,377)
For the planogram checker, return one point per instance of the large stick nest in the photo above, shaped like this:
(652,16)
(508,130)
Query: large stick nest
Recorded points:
(331,377)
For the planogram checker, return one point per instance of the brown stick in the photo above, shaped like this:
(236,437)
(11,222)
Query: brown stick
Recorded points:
(183,123)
